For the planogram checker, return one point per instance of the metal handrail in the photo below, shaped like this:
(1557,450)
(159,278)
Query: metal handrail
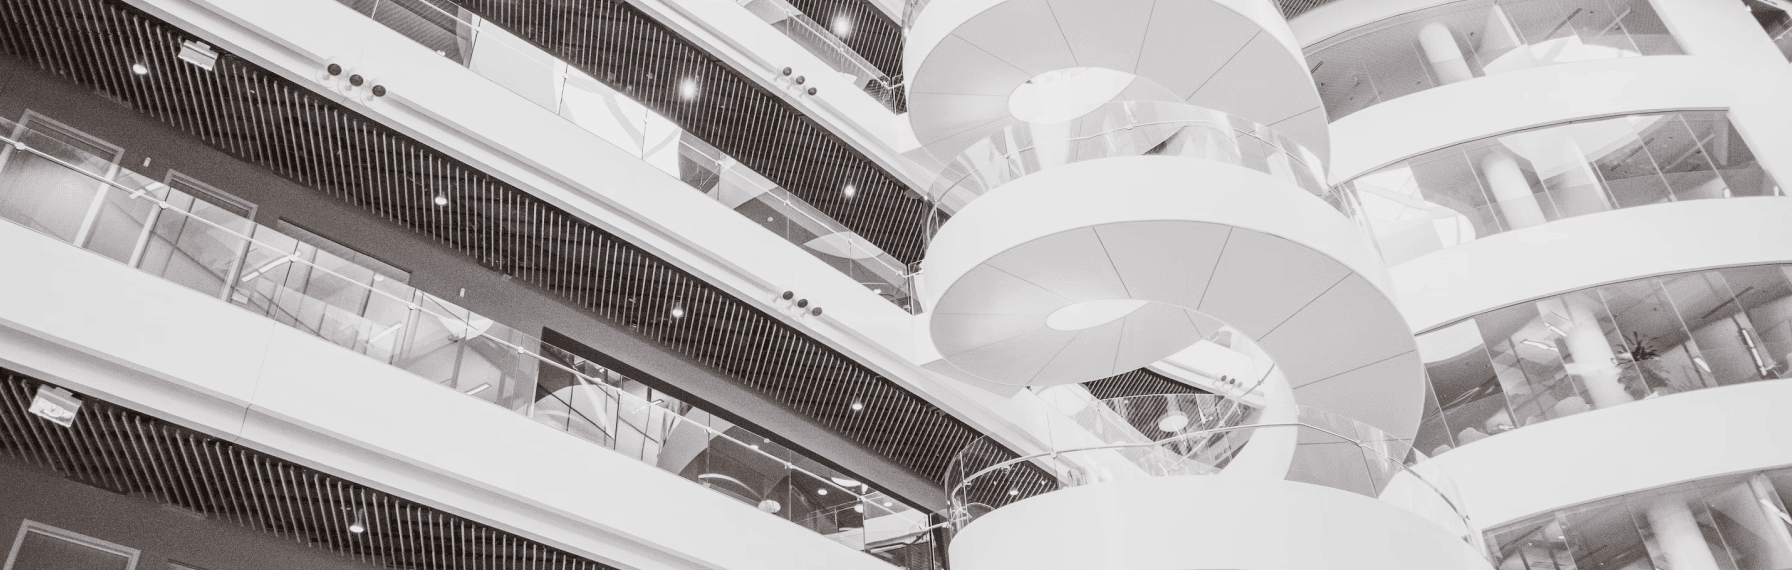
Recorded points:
(1005,465)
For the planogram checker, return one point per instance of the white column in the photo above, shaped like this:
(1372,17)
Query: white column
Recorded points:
(1440,49)
(1677,536)
(1594,362)
(1508,186)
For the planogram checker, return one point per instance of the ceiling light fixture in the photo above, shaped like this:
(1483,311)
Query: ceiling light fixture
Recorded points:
(889,503)
(842,25)
(477,389)
(849,191)
(687,89)
(844,481)
(858,406)
(1013,492)
(677,309)
(821,491)
(1553,329)
(441,200)
(1173,419)
(139,69)
(359,525)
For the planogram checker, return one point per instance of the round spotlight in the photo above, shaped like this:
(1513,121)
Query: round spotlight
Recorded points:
(687,89)
(139,69)
(441,200)
(770,506)
(821,491)
(357,528)
(677,310)
(842,25)
(1172,421)
(858,508)
(1013,492)
(849,191)
(889,503)
(858,406)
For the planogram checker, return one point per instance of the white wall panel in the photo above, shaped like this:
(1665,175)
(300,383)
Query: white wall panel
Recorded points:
(1620,450)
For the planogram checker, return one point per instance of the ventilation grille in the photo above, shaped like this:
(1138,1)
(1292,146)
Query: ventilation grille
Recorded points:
(129,453)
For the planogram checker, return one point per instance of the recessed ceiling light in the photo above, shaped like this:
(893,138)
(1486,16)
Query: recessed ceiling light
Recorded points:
(1013,492)
(1541,345)
(687,89)
(858,508)
(842,25)
(849,191)
(139,69)
(677,310)
(441,200)
(844,481)
(858,406)
(821,491)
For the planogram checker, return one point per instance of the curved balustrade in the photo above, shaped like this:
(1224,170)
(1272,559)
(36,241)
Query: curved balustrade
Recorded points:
(1132,128)
(1518,180)
(1180,435)
(85,200)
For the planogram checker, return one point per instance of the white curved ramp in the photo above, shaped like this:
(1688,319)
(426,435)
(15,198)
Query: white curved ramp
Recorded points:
(1179,523)
(965,58)
(1157,252)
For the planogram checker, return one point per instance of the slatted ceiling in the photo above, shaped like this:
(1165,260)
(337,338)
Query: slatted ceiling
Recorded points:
(617,44)
(1141,382)
(261,118)
(130,453)
(874,36)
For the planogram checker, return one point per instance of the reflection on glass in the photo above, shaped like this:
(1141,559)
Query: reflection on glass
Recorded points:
(1775,17)
(1727,523)
(1604,346)
(325,290)
(1460,41)
(1461,193)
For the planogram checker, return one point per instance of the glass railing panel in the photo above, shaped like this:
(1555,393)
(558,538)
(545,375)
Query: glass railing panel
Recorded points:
(1321,448)
(1124,129)
(257,268)
(1455,42)
(1602,347)
(1528,178)
(822,43)
(534,74)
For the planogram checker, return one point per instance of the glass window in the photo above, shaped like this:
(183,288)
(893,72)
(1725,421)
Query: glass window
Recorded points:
(1604,346)
(56,188)
(1464,40)
(1514,181)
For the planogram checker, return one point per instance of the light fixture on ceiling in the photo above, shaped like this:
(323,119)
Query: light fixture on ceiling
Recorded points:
(842,25)
(858,406)
(822,491)
(1553,329)
(1174,419)
(889,504)
(687,89)
(199,54)
(1013,492)
(359,525)
(55,404)
(1540,344)
(677,309)
(858,508)
(844,481)
(441,200)
(849,191)
(1702,365)
(477,389)
(139,69)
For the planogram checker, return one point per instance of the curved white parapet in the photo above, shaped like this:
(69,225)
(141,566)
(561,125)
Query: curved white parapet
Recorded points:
(964,59)
(1180,523)
(1621,450)
(1150,254)
(1414,124)
(1575,253)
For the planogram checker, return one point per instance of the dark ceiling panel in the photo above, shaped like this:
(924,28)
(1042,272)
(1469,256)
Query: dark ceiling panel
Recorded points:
(129,453)
(635,55)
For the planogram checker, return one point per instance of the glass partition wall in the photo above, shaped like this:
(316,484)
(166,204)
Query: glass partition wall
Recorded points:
(1464,192)
(70,193)
(1604,346)
(1458,41)
(1736,522)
